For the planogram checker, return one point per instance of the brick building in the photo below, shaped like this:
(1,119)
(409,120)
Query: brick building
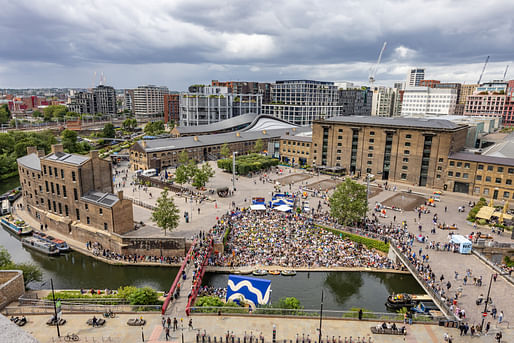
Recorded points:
(171,108)
(296,149)
(409,150)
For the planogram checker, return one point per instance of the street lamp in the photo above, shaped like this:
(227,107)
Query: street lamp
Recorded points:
(234,170)
(487,300)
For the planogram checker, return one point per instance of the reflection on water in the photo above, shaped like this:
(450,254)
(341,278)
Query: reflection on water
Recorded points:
(343,290)
(8,184)
(73,270)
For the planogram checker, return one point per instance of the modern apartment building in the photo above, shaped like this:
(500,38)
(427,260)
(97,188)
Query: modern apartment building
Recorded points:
(414,77)
(171,108)
(410,150)
(508,111)
(246,87)
(101,99)
(302,101)
(81,102)
(204,105)
(487,100)
(355,101)
(149,100)
(73,194)
(426,100)
(128,101)
(386,102)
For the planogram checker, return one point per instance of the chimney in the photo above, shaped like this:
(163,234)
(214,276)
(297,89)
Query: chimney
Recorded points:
(31,150)
(195,138)
(93,154)
(143,143)
(238,134)
(263,132)
(41,152)
(120,195)
(57,148)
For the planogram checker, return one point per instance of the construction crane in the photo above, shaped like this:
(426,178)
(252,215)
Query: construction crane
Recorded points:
(373,69)
(505,73)
(483,70)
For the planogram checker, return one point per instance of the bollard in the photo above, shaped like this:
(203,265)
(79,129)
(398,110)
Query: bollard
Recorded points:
(209,339)
(233,338)
(203,338)
(215,339)
(238,339)
(197,337)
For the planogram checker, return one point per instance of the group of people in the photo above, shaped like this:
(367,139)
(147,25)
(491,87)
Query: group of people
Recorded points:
(97,249)
(290,240)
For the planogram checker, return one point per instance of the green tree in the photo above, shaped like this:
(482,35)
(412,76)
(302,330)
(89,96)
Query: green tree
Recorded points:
(70,141)
(183,157)
(288,303)
(181,175)
(54,111)
(202,175)
(37,114)
(108,131)
(143,296)
(5,257)
(348,203)
(225,151)
(154,128)
(259,146)
(166,214)
(5,114)
(129,124)
(31,272)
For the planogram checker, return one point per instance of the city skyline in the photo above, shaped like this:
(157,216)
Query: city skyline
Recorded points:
(52,44)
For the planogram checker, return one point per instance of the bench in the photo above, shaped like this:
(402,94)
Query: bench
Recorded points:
(381,330)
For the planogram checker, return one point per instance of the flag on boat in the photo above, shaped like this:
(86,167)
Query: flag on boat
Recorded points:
(248,289)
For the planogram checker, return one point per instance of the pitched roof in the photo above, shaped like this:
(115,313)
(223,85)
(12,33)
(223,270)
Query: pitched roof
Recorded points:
(467,156)
(67,158)
(31,161)
(101,198)
(423,123)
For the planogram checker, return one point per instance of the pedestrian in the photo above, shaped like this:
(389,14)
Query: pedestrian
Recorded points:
(360,314)
(465,279)
(499,336)
(168,322)
(163,322)
(495,276)
(167,333)
(456,275)
(190,324)
(175,324)
(500,317)
(487,328)
(446,209)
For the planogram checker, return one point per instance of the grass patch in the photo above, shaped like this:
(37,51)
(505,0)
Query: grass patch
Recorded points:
(368,242)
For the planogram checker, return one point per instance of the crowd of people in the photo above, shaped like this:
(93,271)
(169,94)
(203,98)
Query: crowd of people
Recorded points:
(289,240)
(98,250)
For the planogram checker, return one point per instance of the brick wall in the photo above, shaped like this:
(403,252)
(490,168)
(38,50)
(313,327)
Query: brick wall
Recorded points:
(11,286)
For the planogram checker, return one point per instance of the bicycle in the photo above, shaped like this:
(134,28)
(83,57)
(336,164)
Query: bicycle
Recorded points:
(71,337)
(109,314)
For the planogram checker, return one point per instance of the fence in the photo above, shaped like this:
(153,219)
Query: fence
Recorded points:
(331,314)
(140,203)
(197,283)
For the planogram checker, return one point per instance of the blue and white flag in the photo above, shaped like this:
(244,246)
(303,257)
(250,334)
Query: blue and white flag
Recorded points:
(248,289)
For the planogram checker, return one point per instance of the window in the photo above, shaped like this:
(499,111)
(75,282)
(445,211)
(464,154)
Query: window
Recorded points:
(452,163)
(58,188)
(439,168)
(372,133)
(459,164)
(506,194)
(438,176)
(50,171)
(368,170)
(490,168)
(52,187)
(371,140)
(87,206)
(500,169)
(44,170)
(101,210)
(55,172)
(55,207)
(338,158)
(405,167)
(403,176)
(407,143)
(73,178)
(77,212)
(46,186)
(479,177)
(88,220)
(405,159)
(508,182)
(441,160)
(370,148)
(480,167)
(511,170)
(370,155)
(340,130)
(486,191)
(339,144)
(450,173)
(465,175)
(60,208)
(62,173)
(370,163)
(64,191)
(467,165)
(75,194)
(339,151)
(498,180)
(105,226)
(487,179)
(476,190)
(66,210)
(339,137)
(406,152)
(408,136)
(457,174)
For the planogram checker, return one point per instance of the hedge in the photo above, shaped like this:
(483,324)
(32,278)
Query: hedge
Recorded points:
(368,242)
(246,164)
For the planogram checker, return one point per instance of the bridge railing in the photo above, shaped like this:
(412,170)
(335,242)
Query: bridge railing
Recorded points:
(198,279)
(177,279)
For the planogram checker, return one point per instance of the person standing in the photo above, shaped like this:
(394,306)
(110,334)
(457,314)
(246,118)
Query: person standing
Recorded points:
(360,314)
(175,324)
(500,317)
(167,333)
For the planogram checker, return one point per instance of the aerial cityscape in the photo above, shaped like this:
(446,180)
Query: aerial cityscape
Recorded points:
(308,172)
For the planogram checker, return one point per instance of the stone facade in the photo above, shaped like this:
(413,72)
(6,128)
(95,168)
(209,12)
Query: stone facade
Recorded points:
(11,286)
(296,150)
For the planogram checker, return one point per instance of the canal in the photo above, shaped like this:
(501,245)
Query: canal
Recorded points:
(343,290)
(9,183)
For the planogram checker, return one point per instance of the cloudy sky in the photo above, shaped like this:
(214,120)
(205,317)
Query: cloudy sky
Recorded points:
(56,43)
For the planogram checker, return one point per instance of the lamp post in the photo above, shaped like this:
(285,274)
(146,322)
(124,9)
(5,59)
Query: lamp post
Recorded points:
(487,300)
(55,309)
(320,316)
(234,170)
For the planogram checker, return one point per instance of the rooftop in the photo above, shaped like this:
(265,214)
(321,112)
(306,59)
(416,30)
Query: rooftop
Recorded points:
(234,122)
(31,161)
(100,198)
(467,156)
(67,158)
(394,122)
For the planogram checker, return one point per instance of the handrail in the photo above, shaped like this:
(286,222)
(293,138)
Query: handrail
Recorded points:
(199,277)
(177,278)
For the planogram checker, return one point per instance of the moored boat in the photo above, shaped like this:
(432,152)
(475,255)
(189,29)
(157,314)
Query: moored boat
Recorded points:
(288,273)
(398,301)
(17,226)
(273,272)
(59,243)
(40,246)
(259,272)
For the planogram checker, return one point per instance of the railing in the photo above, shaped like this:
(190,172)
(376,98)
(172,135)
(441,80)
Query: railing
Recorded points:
(140,203)
(177,279)
(47,307)
(199,277)
(436,297)
(265,311)
(96,301)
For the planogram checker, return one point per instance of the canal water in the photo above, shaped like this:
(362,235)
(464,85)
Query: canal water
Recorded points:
(343,290)
(8,184)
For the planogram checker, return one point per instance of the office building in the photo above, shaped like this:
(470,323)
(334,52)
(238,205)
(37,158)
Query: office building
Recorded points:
(508,111)
(302,101)
(246,87)
(128,101)
(171,108)
(414,77)
(426,100)
(487,100)
(386,102)
(99,100)
(149,100)
(355,101)
(204,105)
(81,103)
(410,150)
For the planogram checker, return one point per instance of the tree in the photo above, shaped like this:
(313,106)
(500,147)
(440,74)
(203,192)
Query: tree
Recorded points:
(225,151)
(166,214)
(5,257)
(31,272)
(181,175)
(154,128)
(143,296)
(69,141)
(5,114)
(54,111)
(37,114)
(259,146)
(183,157)
(129,124)
(202,175)
(108,131)
(348,203)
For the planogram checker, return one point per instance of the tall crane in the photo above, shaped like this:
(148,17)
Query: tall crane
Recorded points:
(373,69)
(483,70)
(505,73)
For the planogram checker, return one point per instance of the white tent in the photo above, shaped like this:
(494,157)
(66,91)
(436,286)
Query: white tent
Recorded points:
(258,207)
(283,208)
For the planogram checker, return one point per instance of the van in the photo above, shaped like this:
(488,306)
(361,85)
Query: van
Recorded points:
(149,172)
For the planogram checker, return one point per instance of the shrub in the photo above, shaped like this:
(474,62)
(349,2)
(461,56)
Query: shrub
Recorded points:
(368,242)
(143,296)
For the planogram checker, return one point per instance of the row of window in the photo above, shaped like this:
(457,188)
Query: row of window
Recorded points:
(294,143)
(56,172)
(485,191)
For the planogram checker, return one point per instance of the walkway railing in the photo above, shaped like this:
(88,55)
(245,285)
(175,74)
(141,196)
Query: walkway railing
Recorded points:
(177,279)
(197,283)
(47,307)
(370,316)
